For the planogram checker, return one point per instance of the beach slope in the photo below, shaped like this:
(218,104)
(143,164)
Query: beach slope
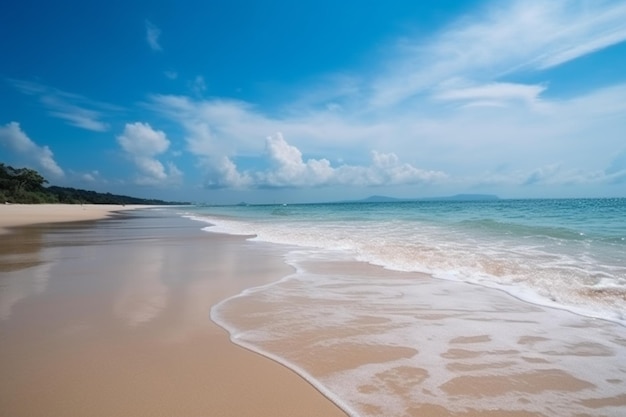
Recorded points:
(111,318)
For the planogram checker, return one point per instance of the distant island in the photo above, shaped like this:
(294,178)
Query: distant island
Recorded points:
(26,186)
(457,197)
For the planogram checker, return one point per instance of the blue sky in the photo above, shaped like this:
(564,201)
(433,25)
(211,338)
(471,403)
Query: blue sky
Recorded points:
(281,101)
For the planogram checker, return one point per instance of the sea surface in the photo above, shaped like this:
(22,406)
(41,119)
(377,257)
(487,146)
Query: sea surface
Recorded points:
(568,253)
(459,308)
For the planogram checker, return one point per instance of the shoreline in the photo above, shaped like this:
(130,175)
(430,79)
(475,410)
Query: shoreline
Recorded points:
(602,301)
(112,318)
(455,349)
(201,323)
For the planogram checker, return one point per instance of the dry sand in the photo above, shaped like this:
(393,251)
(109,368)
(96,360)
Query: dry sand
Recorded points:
(12,215)
(112,319)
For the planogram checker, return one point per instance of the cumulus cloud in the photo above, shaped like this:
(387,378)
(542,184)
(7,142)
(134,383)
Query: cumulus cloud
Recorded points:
(143,144)
(223,173)
(449,101)
(12,136)
(289,169)
(522,135)
(152,36)
(139,139)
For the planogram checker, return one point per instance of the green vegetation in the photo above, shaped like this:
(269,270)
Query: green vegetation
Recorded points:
(27,186)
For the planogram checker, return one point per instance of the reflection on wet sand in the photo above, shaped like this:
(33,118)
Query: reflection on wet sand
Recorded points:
(112,318)
(21,254)
(20,249)
(143,295)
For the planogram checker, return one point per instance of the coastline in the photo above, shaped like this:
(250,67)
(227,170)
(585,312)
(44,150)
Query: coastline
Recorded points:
(394,343)
(148,314)
(404,342)
(112,318)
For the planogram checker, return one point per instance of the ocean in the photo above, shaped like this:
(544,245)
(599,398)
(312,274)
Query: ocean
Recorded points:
(567,253)
(442,307)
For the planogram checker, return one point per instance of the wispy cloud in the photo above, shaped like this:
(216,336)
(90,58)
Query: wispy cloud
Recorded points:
(526,132)
(444,102)
(496,93)
(172,75)
(152,36)
(198,86)
(143,144)
(12,136)
(507,37)
(75,109)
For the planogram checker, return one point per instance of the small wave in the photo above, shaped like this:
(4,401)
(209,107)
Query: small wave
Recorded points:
(538,263)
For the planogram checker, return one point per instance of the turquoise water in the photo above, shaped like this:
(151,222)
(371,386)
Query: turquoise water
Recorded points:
(379,342)
(568,253)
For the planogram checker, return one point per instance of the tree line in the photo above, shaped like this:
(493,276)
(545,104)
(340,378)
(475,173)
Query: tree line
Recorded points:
(27,186)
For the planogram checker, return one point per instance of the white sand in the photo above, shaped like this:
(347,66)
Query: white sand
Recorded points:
(12,215)
(113,320)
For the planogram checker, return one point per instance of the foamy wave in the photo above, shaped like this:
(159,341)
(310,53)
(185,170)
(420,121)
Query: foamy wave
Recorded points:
(561,277)
(386,342)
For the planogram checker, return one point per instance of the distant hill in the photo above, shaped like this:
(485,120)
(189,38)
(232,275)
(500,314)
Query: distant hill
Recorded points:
(379,199)
(457,197)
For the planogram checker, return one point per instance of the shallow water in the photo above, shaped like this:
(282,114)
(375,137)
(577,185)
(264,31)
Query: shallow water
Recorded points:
(399,344)
(566,253)
(504,308)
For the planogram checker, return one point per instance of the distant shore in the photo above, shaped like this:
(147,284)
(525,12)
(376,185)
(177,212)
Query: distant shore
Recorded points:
(14,215)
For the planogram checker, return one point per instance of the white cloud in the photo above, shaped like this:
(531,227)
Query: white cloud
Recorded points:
(289,169)
(76,116)
(198,86)
(139,139)
(16,140)
(172,75)
(446,103)
(143,144)
(498,93)
(75,109)
(90,176)
(509,36)
(152,36)
(585,27)
(223,173)
(616,171)
(465,140)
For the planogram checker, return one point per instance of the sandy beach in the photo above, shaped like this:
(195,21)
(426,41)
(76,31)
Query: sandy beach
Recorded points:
(12,215)
(452,349)
(111,318)
(146,314)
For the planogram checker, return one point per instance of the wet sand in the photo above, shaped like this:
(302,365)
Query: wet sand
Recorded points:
(404,344)
(111,318)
